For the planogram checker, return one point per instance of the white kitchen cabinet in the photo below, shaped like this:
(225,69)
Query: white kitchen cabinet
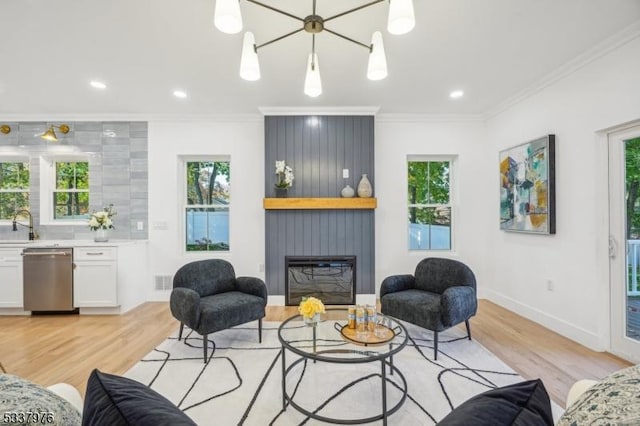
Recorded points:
(11,278)
(95,277)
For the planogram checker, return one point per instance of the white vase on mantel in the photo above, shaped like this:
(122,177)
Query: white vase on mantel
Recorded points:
(347,192)
(364,187)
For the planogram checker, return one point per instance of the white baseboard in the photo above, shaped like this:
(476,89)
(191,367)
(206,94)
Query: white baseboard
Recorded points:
(101,311)
(14,311)
(560,326)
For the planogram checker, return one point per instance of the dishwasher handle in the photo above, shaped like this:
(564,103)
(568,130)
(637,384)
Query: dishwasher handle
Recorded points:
(47,253)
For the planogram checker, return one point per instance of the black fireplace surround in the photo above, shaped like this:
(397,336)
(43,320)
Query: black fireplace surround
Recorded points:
(331,279)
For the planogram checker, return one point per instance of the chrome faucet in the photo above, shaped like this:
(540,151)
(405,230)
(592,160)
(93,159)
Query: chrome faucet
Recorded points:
(32,234)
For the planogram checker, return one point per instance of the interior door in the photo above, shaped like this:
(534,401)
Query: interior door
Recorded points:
(624,242)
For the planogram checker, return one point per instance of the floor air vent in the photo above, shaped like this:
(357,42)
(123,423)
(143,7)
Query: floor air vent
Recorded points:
(164,282)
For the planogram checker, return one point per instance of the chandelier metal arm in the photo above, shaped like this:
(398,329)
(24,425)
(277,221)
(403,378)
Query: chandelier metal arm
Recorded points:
(266,6)
(278,39)
(355,9)
(366,46)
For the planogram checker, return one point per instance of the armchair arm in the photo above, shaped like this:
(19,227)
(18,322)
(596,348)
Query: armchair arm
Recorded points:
(396,283)
(458,304)
(185,306)
(252,285)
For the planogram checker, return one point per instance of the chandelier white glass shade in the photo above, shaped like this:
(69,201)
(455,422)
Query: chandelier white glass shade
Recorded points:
(401,17)
(228,19)
(249,65)
(377,68)
(312,82)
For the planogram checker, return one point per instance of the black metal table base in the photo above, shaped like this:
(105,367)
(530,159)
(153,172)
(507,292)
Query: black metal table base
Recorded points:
(288,400)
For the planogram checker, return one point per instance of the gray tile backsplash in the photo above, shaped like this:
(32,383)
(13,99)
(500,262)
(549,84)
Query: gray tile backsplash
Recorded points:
(118,174)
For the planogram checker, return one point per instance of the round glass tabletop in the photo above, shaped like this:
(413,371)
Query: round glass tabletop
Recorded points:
(331,340)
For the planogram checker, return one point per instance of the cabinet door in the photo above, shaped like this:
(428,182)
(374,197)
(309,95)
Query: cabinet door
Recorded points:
(10,284)
(11,295)
(95,284)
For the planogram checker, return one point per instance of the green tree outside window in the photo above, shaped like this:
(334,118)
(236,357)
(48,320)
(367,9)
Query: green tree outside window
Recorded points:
(71,195)
(207,205)
(14,188)
(429,212)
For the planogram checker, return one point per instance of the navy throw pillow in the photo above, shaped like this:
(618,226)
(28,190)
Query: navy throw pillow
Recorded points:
(520,404)
(118,401)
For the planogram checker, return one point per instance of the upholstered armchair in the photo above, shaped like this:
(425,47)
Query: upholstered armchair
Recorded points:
(208,297)
(441,294)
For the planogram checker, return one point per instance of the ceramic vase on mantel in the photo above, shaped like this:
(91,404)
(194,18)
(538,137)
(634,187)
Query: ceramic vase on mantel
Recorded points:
(101,236)
(364,187)
(347,192)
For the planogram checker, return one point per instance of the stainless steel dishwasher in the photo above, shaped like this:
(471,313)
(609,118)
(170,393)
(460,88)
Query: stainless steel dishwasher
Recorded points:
(48,279)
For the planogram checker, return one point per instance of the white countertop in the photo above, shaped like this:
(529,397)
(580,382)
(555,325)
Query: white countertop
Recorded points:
(66,243)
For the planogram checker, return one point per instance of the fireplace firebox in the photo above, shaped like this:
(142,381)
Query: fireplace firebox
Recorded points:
(331,279)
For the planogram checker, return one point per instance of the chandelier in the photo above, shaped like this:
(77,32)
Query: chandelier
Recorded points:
(228,19)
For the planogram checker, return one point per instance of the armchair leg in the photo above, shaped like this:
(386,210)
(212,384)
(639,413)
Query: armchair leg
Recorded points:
(466,322)
(205,345)
(435,345)
(260,330)
(180,333)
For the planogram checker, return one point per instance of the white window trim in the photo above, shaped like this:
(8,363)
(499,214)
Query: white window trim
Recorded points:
(182,212)
(453,199)
(48,186)
(18,159)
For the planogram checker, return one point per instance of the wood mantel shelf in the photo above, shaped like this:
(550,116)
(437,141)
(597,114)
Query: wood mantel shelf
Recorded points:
(319,203)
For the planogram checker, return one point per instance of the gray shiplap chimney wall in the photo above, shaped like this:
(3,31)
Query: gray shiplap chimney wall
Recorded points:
(318,148)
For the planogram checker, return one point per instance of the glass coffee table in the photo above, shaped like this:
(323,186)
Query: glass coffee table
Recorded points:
(337,349)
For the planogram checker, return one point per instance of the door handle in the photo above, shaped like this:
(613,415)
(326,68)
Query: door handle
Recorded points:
(48,253)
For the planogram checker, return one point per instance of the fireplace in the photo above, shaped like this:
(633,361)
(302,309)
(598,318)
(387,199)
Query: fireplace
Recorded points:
(331,279)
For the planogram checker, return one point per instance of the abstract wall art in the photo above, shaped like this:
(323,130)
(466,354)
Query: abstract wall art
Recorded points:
(527,187)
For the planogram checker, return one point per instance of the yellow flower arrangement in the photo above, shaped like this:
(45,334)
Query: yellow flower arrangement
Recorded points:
(311,306)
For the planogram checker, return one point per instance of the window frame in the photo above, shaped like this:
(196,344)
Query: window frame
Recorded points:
(25,160)
(48,180)
(183,206)
(452,204)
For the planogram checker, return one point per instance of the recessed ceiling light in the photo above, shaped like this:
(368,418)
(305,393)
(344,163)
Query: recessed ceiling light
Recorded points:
(179,94)
(456,94)
(98,85)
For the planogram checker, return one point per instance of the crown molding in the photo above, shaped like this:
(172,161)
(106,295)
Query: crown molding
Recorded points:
(219,118)
(429,118)
(608,45)
(361,110)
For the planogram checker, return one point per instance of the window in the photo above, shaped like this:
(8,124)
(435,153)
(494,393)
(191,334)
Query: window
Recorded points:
(429,204)
(71,193)
(14,188)
(207,205)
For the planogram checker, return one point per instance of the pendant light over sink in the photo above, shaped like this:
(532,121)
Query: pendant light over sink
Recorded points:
(228,19)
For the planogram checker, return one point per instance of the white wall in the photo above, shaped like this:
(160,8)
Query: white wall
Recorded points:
(602,94)
(242,139)
(399,137)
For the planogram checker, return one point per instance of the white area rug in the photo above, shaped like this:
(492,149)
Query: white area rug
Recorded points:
(242,381)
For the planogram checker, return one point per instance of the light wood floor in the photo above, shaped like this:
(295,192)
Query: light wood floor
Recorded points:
(52,349)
